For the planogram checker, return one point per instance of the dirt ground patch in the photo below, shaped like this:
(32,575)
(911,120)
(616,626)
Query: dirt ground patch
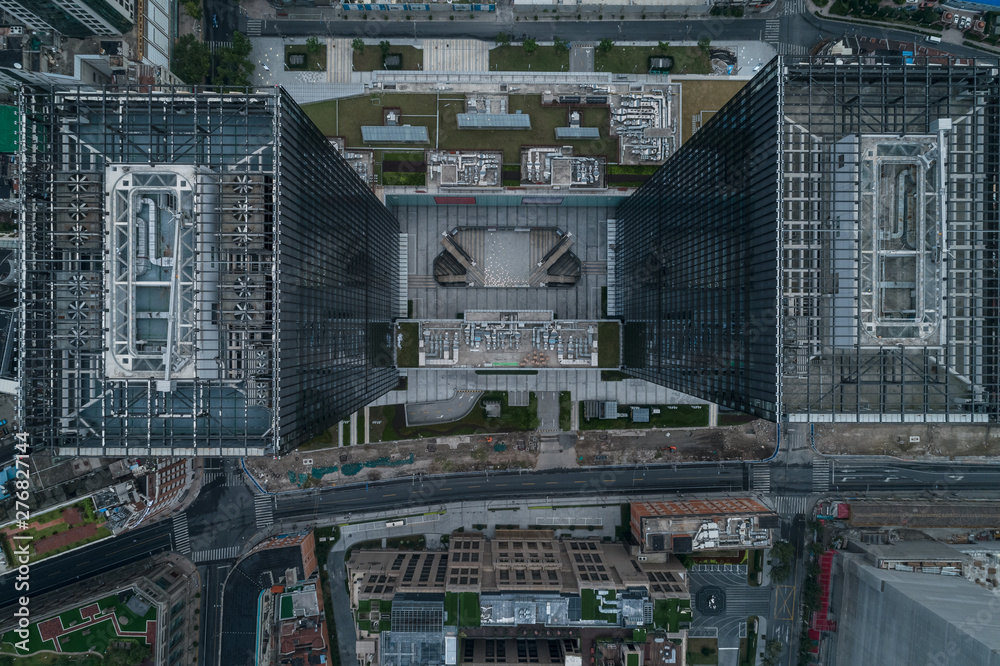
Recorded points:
(908,440)
(751,441)
(698,96)
(430,456)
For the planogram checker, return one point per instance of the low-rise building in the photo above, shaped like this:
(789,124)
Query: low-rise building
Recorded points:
(696,526)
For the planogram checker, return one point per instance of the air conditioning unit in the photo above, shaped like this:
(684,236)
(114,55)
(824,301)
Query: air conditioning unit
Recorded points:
(641,558)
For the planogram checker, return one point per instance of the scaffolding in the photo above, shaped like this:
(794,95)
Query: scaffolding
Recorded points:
(155,226)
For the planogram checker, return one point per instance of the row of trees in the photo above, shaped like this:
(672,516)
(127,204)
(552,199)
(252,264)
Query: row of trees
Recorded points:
(562,46)
(192,61)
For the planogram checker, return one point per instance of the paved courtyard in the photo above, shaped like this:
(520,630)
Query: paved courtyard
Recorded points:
(426,224)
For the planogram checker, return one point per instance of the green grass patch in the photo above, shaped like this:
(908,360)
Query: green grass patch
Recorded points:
(324,440)
(670,416)
(506,372)
(384,606)
(590,606)
(365,606)
(315,62)
(544,120)
(632,169)
(748,645)
(703,651)
(47,659)
(632,659)
(344,117)
(608,344)
(371,58)
(639,635)
(756,566)
(698,96)
(512,419)
(412,179)
(95,637)
(407,354)
(415,542)
(451,609)
(468,610)
(514,58)
(565,410)
(669,613)
(635,59)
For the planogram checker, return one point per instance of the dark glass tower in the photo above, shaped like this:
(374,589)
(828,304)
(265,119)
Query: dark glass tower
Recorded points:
(203,275)
(825,247)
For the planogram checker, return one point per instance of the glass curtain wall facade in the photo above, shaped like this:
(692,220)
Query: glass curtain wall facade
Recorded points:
(696,255)
(825,248)
(202,275)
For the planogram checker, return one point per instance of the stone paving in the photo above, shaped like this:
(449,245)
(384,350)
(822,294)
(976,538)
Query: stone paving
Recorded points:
(456,55)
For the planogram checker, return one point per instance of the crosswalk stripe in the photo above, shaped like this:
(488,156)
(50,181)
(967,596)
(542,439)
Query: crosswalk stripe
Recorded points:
(263,506)
(760,478)
(821,475)
(253,27)
(226,553)
(792,505)
(772,30)
(182,540)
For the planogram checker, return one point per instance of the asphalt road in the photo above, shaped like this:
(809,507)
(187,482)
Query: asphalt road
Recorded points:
(421,491)
(96,559)
(799,29)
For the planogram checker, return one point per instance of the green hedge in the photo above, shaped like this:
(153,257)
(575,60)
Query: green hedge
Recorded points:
(401,178)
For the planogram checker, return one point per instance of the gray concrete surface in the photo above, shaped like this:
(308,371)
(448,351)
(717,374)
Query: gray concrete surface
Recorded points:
(425,385)
(442,411)
(548,411)
(426,224)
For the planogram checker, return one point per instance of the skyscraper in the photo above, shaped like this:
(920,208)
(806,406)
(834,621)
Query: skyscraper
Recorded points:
(825,247)
(203,274)
(74,18)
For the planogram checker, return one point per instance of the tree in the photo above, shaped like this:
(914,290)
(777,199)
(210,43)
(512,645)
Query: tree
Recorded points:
(313,46)
(384,46)
(233,66)
(561,45)
(606,45)
(529,45)
(784,551)
(193,9)
(780,572)
(664,46)
(358,44)
(704,43)
(190,60)
(503,39)
(772,652)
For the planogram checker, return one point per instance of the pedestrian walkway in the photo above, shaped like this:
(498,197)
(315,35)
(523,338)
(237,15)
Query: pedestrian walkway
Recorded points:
(772,30)
(253,27)
(581,58)
(548,411)
(215,554)
(263,508)
(231,479)
(760,478)
(182,540)
(339,60)
(821,476)
(456,55)
(793,505)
